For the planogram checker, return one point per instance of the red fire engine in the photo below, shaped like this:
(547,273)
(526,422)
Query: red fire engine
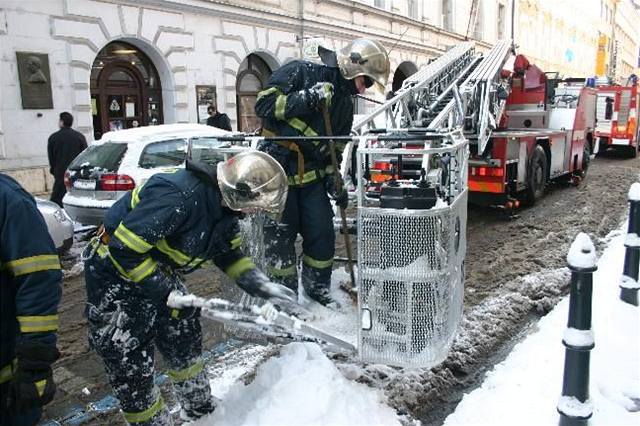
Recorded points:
(617,118)
(546,132)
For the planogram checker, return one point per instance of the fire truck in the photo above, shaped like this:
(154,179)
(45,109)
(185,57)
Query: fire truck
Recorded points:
(524,127)
(617,112)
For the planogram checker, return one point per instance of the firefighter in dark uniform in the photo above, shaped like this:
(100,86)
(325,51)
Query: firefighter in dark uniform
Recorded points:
(30,291)
(153,235)
(291,105)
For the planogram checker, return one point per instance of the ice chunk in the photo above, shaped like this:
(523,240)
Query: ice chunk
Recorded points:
(582,253)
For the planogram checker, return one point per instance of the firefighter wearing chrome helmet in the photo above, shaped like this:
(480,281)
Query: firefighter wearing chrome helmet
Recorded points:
(151,237)
(291,105)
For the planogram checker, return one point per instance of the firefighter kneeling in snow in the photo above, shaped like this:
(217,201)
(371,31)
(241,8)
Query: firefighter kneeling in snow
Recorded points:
(152,235)
(30,291)
(292,105)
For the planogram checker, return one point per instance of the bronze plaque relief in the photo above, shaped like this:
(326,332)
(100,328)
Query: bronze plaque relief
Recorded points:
(35,80)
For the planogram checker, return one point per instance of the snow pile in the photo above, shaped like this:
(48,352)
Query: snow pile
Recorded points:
(634,192)
(301,387)
(526,387)
(582,253)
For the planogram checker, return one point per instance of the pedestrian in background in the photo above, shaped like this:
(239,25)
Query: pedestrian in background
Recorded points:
(64,145)
(218,119)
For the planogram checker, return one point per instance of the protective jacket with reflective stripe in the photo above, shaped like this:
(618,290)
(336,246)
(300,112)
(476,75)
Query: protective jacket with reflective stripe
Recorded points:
(30,274)
(287,109)
(176,220)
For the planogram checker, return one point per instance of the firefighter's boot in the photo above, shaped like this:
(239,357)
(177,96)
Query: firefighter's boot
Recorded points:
(317,289)
(195,397)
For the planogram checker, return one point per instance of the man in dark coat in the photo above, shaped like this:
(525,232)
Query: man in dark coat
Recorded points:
(291,105)
(218,119)
(63,147)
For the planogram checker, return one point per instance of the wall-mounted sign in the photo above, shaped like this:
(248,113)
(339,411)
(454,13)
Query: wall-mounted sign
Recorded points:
(205,96)
(35,80)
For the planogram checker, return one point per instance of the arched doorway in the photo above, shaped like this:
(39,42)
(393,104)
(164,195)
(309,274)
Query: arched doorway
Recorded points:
(252,77)
(403,71)
(125,89)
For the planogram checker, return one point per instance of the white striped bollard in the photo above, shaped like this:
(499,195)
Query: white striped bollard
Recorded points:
(629,283)
(574,405)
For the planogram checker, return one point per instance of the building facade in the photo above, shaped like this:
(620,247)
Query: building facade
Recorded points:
(123,63)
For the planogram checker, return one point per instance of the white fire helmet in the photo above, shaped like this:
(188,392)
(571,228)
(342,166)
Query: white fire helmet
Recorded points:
(253,181)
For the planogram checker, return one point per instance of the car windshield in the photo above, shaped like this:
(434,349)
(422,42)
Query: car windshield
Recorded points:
(105,156)
(206,149)
(169,153)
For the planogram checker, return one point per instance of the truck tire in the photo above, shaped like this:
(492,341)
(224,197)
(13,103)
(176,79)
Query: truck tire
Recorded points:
(536,176)
(632,151)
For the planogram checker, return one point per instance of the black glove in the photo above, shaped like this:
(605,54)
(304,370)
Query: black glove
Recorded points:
(321,94)
(340,197)
(32,386)
(257,284)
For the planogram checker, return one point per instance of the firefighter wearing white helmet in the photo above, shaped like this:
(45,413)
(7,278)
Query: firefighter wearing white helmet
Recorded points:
(291,105)
(152,237)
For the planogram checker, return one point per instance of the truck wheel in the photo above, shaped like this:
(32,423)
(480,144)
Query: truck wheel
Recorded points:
(536,176)
(632,151)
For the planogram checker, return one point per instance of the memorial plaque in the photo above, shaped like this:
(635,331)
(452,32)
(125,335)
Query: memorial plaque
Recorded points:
(35,80)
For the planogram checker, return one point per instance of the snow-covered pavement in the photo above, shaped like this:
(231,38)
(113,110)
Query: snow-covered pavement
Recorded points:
(525,388)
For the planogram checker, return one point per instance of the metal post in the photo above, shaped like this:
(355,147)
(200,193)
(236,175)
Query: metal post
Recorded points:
(629,282)
(574,406)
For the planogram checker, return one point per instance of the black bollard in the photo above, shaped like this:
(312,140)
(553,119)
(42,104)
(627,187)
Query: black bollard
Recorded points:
(629,283)
(574,406)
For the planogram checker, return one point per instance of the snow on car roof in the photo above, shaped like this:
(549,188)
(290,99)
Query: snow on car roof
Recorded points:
(163,131)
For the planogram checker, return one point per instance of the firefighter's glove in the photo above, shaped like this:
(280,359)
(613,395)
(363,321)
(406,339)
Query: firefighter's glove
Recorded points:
(160,285)
(256,283)
(341,197)
(321,95)
(32,386)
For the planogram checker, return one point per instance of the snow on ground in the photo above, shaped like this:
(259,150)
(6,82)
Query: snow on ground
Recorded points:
(526,387)
(301,387)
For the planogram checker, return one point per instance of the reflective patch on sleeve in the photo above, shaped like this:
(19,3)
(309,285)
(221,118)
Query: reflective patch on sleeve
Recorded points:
(236,242)
(239,267)
(29,265)
(281,105)
(131,240)
(38,323)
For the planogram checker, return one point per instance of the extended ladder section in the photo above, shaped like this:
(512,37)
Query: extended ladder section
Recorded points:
(481,98)
(419,91)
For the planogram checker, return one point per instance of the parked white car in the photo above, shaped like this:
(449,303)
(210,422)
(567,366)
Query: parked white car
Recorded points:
(58,223)
(123,159)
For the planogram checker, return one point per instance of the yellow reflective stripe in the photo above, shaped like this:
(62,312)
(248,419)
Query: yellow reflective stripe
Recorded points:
(315,263)
(281,272)
(38,323)
(40,385)
(186,373)
(143,416)
(6,372)
(131,240)
(29,265)
(135,196)
(239,267)
(308,177)
(301,126)
(236,242)
(281,104)
(176,255)
(143,270)
(267,92)
(175,313)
